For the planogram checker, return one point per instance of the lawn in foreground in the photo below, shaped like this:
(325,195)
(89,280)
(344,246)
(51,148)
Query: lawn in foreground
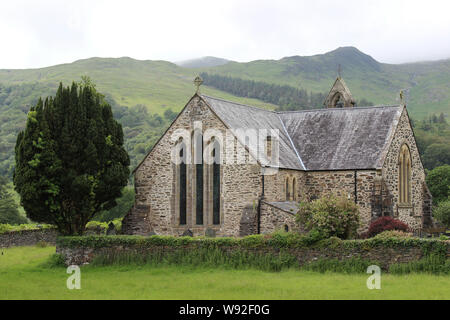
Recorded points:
(23,276)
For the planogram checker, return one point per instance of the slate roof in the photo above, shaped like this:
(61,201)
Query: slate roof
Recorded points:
(321,139)
(288,206)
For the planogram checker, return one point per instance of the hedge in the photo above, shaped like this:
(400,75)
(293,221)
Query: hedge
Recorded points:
(277,241)
(5,228)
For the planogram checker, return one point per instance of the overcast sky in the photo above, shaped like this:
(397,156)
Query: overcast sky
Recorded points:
(48,32)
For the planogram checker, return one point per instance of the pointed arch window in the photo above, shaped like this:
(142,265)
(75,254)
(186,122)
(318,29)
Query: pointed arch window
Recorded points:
(288,190)
(294,189)
(182,172)
(404,175)
(216,182)
(198,155)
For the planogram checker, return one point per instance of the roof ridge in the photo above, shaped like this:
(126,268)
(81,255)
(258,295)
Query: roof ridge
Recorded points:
(238,103)
(337,109)
(300,111)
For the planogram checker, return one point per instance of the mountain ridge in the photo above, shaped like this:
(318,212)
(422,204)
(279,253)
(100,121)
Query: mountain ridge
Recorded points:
(159,84)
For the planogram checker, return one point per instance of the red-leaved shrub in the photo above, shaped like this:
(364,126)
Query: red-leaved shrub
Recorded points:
(385,224)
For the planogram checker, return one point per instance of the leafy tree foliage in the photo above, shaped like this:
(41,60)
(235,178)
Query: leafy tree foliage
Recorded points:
(330,217)
(433,140)
(383,224)
(9,214)
(70,159)
(438,181)
(442,212)
(124,204)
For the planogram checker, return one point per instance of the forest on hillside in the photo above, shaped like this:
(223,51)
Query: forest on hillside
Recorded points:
(286,97)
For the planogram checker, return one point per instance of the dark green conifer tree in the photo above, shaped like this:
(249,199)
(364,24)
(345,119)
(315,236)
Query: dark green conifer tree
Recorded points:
(70,159)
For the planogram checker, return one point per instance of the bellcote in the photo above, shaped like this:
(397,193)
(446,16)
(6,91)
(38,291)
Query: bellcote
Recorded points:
(339,96)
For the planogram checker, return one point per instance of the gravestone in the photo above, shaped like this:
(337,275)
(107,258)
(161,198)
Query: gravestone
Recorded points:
(188,233)
(210,233)
(111,229)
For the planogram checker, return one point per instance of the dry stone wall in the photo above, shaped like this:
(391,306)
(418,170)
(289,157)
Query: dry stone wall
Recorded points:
(381,254)
(27,237)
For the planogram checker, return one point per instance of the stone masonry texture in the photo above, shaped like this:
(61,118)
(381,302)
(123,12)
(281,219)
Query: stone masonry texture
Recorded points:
(245,193)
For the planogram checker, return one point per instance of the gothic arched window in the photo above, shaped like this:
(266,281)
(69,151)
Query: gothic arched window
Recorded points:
(182,172)
(294,189)
(216,182)
(198,157)
(288,190)
(404,176)
(338,101)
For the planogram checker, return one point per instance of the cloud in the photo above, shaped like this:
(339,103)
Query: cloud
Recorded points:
(48,32)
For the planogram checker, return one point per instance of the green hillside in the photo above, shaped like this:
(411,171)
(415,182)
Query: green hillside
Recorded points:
(427,84)
(159,85)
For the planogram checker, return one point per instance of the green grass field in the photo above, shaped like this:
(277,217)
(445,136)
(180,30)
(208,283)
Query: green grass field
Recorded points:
(24,275)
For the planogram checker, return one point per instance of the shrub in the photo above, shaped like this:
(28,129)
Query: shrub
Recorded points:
(385,224)
(330,216)
(97,227)
(393,234)
(4,228)
(442,213)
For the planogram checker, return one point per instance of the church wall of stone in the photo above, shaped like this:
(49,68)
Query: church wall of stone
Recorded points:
(275,185)
(274,219)
(342,184)
(155,209)
(420,208)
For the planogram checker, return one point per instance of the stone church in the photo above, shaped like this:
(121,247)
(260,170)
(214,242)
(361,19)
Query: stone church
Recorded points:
(228,169)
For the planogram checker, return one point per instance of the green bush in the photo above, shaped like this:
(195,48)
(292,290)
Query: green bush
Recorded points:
(101,227)
(330,217)
(4,228)
(442,213)
(393,234)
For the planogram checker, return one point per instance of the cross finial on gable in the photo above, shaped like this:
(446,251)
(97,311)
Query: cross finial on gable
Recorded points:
(402,97)
(339,96)
(339,71)
(198,82)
